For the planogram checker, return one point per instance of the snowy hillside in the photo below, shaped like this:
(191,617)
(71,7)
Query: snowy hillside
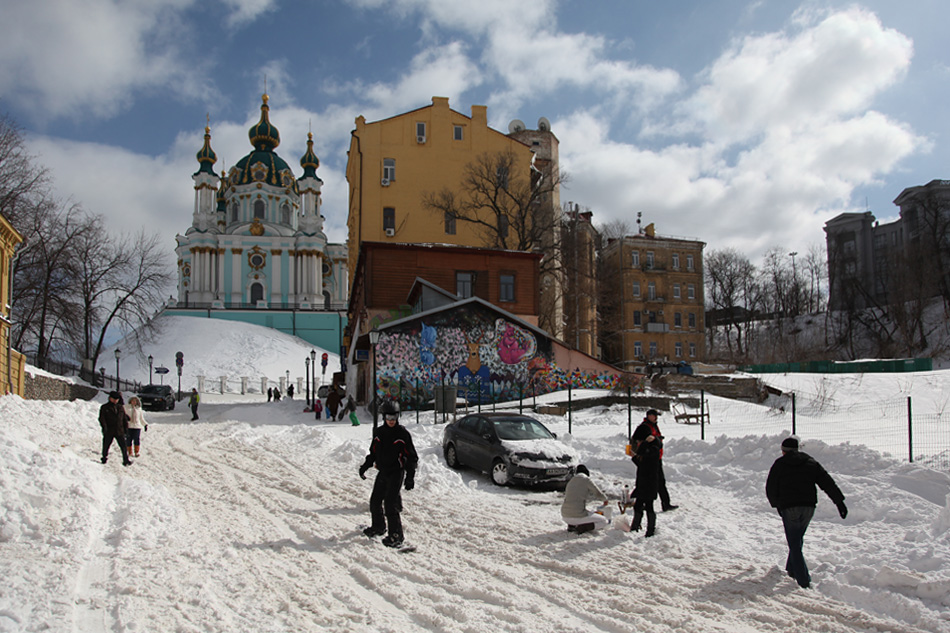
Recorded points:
(213,348)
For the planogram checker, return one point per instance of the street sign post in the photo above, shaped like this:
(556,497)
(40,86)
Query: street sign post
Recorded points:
(180,361)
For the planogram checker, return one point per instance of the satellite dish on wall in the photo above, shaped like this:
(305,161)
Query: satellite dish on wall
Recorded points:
(517,125)
(544,125)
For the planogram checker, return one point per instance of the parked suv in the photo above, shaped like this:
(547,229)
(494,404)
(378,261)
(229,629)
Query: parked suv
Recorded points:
(157,397)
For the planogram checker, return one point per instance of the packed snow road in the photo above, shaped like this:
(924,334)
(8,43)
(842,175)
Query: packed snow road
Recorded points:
(248,520)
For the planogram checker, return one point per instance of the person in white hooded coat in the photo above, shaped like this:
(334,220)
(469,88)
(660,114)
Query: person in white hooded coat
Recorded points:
(580,489)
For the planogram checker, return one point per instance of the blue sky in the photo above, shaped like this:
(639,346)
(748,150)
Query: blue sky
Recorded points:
(746,124)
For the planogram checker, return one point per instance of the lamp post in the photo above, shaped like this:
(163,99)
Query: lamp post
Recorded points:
(306,363)
(374,339)
(118,354)
(150,359)
(794,280)
(313,376)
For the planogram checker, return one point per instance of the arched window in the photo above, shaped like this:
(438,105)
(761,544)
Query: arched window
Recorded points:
(257,293)
(326,300)
(285,213)
(259,209)
(234,211)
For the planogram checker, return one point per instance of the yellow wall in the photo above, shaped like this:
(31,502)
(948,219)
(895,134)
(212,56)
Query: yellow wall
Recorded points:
(420,168)
(11,380)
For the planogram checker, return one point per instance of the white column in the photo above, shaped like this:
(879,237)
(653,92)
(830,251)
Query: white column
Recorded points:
(219,287)
(237,290)
(275,278)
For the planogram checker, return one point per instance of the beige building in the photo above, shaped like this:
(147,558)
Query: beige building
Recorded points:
(394,163)
(12,362)
(658,315)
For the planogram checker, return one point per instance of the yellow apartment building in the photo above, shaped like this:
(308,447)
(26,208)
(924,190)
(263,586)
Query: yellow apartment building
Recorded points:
(393,163)
(12,362)
(661,309)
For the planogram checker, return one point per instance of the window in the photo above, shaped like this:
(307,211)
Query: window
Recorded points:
(637,349)
(653,351)
(649,259)
(678,350)
(421,131)
(690,291)
(691,319)
(234,211)
(503,226)
(677,319)
(457,133)
(259,209)
(692,350)
(285,213)
(637,318)
(389,218)
(449,223)
(635,259)
(389,169)
(676,261)
(506,287)
(651,290)
(689,262)
(463,284)
(636,290)
(676,291)
(257,292)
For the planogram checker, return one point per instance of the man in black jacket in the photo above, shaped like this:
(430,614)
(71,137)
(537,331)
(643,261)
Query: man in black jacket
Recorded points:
(790,488)
(395,457)
(650,428)
(114,423)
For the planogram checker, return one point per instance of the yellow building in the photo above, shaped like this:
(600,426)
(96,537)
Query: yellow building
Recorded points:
(658,315)
(11,361)
(393,163)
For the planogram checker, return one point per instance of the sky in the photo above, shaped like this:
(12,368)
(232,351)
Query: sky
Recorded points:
(249,520)
(745,124)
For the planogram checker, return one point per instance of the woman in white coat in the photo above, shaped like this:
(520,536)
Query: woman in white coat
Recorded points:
(136,424)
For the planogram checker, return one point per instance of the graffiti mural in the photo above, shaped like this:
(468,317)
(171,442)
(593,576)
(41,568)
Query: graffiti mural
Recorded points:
(486,357)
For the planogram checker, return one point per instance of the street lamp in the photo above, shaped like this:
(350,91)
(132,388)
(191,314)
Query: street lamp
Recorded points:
(313,377)
(374,339)
(150,359)
(118,353)
(306,363)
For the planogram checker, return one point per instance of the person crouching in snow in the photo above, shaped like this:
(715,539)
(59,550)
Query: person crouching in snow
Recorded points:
(136,423)
(580,489)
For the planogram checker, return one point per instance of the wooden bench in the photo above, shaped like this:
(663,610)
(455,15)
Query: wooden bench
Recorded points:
(682,415)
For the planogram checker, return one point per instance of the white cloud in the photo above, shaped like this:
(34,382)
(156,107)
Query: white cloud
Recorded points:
(826,69)
(62,56)
(246,11)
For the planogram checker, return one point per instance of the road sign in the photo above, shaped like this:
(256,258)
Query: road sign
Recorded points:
(179,360)
(323,361)
(161,370)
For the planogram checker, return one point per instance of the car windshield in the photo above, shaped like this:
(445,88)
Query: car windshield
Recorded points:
(521,429)
(153,389)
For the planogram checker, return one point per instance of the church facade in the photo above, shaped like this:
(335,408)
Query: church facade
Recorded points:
(256,250)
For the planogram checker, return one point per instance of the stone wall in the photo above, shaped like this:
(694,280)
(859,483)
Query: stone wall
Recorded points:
(48,388)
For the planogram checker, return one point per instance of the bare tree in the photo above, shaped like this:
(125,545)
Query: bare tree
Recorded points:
(22,183)
(121,284)
(511,206)
(610,293)
(733,295)
(44,310)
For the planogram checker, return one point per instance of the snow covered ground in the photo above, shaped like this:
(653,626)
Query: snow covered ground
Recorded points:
(248,520)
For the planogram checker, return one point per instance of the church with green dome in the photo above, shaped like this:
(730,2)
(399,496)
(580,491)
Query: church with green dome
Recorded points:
(256,250)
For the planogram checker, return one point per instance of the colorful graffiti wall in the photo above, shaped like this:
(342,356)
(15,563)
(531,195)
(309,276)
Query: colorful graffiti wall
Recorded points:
(487,357)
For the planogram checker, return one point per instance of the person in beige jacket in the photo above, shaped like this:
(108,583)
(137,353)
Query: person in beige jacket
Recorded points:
(580,489)
(136,424)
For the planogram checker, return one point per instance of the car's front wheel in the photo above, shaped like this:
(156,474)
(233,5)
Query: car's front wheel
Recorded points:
(499,473)
(451,457)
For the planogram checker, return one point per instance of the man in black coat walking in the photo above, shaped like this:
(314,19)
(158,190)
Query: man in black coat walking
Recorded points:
(114,423)
(395,457)
(650,428)
(790,488)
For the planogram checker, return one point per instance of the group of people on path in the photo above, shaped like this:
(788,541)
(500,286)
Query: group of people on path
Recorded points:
(791,488)
(122,424)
